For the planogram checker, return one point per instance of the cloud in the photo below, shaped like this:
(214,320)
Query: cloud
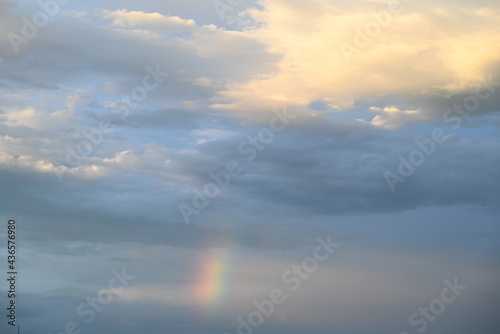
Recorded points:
(118,205)
(391,117)
(418,52)
(152,21)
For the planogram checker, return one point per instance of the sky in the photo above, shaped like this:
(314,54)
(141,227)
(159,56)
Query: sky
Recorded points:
(240,166)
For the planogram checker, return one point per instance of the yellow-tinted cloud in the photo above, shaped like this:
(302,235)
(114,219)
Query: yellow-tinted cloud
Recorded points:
(416,50)
(137,19)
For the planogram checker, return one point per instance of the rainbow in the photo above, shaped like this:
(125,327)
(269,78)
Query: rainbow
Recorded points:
(212,273)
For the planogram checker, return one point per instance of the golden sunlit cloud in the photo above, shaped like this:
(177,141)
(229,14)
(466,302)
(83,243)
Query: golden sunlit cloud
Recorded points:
(342,53)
